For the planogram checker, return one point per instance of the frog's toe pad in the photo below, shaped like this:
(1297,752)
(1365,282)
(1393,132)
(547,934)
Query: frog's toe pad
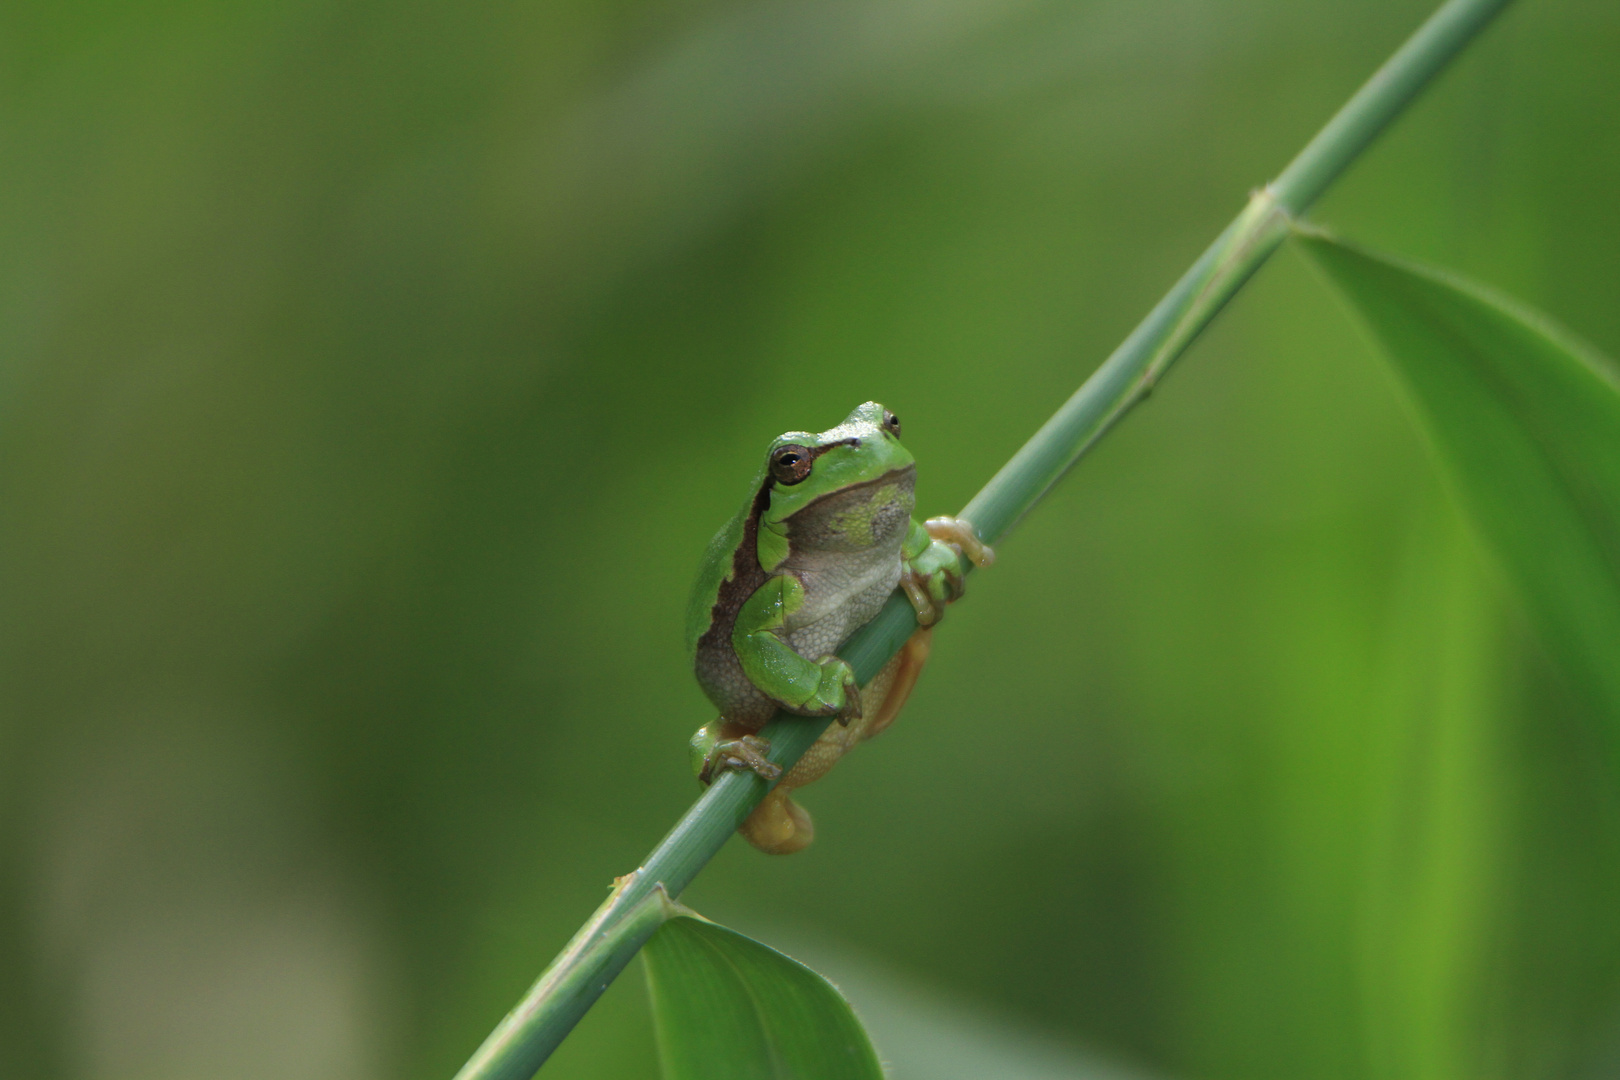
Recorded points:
(959,533)
(747,752)
(922,602)
(778,825)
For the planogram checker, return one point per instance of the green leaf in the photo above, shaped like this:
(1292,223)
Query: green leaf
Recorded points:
(1527,422)
(726,1007)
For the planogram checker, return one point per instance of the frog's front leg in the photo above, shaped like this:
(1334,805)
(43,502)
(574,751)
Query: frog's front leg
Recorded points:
(931,571)
(824,687)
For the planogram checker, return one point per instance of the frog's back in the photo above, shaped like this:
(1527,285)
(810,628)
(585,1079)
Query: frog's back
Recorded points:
(730,557)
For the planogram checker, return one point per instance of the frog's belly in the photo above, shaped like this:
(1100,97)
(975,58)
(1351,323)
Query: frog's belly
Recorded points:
(854,594)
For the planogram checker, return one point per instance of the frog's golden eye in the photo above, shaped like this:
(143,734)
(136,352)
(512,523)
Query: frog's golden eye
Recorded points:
(891,423)
(791,463)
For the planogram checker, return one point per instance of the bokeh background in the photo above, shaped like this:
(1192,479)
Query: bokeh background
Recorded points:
(372,376)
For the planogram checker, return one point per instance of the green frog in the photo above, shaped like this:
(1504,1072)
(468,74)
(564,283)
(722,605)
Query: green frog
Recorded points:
(825,537)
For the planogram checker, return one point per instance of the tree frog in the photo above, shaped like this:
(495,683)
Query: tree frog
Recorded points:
(825,537)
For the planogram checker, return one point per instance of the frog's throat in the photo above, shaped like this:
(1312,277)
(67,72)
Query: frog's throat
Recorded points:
(773,543)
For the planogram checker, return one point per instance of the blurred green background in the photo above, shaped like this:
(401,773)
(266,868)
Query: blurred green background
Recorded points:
(372,376)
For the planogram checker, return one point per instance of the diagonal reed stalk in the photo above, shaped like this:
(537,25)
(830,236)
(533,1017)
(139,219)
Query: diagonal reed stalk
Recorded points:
(601,949)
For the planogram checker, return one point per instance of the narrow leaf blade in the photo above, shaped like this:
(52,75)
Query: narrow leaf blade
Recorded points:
(1527,422)
(726,1007)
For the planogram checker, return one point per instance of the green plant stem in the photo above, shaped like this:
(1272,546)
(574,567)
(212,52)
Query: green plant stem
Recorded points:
(577,977)
(1130,373)
(598,952)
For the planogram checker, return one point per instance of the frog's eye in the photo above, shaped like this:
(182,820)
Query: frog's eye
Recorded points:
(790,464)
(891,423)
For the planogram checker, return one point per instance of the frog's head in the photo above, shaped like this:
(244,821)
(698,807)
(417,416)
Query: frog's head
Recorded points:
(803,467)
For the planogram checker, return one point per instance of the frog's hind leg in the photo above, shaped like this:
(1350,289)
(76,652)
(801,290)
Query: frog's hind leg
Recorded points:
(778,825)
(890,688)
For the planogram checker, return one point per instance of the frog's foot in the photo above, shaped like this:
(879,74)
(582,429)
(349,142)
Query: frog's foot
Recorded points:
(778,825)
(958,532)
(934,577)
(747,752)
(838,693)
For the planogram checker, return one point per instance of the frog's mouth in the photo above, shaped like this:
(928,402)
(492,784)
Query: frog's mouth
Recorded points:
(890,477)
